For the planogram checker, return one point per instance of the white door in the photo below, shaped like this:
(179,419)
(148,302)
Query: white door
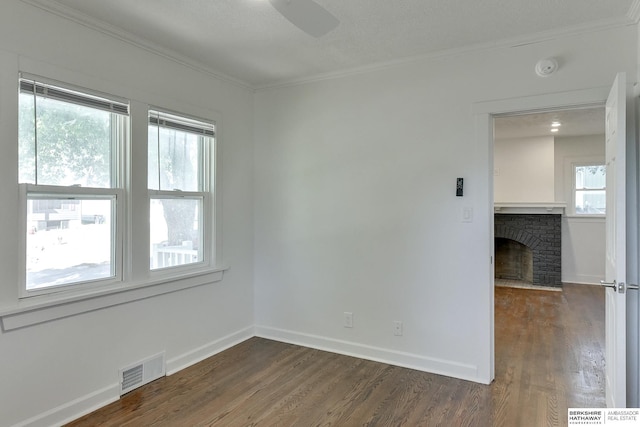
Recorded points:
(615,272)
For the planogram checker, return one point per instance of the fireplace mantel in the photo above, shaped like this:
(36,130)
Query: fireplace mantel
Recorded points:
(529,208)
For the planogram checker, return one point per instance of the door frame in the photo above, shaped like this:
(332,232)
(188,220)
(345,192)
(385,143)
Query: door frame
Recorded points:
(484,113)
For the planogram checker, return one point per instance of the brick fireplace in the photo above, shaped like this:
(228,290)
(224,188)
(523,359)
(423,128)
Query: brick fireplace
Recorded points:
(528,248)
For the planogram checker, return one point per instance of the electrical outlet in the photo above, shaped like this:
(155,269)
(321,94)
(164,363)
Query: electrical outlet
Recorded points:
(348,319)
(397,328)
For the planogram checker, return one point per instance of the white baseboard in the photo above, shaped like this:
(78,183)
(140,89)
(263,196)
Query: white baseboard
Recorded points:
(89,403)
(376,354)
(74,409)
(192,357)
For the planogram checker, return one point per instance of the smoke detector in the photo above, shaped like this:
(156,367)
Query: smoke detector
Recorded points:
(546,67)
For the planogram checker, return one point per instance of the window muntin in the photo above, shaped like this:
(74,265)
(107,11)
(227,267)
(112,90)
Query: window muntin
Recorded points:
(179,181)
(70,169)
(589,189)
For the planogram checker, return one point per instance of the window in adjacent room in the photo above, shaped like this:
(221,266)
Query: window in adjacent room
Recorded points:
(71,173)
(180,180)
(589,189)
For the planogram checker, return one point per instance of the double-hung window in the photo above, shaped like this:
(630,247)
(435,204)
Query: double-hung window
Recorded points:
(180,182)
(75,180)
(589,189)
(71,171)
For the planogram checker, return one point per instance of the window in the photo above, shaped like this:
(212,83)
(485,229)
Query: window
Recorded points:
(180,168)
(71,173)
(589,189)
(79,181)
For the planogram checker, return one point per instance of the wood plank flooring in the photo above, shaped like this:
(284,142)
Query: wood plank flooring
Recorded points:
(549,356)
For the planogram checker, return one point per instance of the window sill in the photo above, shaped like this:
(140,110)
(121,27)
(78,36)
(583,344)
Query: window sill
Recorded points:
(32,311)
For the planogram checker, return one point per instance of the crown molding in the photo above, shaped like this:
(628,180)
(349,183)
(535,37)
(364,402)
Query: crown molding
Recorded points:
(87,21)
(513,42)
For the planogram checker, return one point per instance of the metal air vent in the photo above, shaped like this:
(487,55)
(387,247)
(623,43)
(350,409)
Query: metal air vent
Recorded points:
(141,373)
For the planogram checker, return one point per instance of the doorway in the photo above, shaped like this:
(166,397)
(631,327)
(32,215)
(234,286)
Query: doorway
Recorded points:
(541,206)
(549,196)
(484,113)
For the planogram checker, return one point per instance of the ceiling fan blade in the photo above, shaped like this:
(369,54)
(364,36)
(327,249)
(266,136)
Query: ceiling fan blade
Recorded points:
(307,15)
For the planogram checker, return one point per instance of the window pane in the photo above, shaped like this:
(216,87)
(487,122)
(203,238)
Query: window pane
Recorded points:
(590,177)
(69,241)
(174,159)
(591,202)
(70,145)
(175,232)
(27,140)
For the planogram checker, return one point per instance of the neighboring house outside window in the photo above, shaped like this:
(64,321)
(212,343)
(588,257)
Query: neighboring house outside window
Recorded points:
(70,167)
(75,174)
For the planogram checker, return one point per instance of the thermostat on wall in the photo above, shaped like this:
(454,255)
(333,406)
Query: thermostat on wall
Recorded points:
(459,185)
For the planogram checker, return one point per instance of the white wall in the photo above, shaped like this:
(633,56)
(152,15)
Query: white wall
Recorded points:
(540,170)
(583,250)
(583,238)
(574,149)
(57,369)
(356,208)
(523,170)
(351,199)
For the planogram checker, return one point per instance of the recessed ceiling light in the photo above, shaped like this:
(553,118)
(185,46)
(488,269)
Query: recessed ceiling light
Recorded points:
(556,124)
(555,130)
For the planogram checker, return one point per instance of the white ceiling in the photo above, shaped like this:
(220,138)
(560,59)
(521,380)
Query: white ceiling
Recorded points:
(576,122)
(250,42)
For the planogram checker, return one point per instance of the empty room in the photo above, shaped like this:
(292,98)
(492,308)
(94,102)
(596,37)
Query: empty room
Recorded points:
(281,212)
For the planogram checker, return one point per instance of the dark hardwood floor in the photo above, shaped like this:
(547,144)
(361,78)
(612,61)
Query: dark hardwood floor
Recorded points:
(549,357)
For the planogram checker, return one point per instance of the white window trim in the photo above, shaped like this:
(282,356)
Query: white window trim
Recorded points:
(117,238)
(569,183)
(208,193)
(109,103)
(136,284)
(575,165)
(33,311)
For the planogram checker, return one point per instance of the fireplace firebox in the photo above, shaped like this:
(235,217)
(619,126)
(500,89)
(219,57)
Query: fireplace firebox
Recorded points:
(528,248)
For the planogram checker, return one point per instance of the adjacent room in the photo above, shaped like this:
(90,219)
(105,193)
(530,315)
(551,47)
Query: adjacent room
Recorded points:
(549,175)
(209,200)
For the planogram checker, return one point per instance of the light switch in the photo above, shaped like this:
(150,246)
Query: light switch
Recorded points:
(467,214)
